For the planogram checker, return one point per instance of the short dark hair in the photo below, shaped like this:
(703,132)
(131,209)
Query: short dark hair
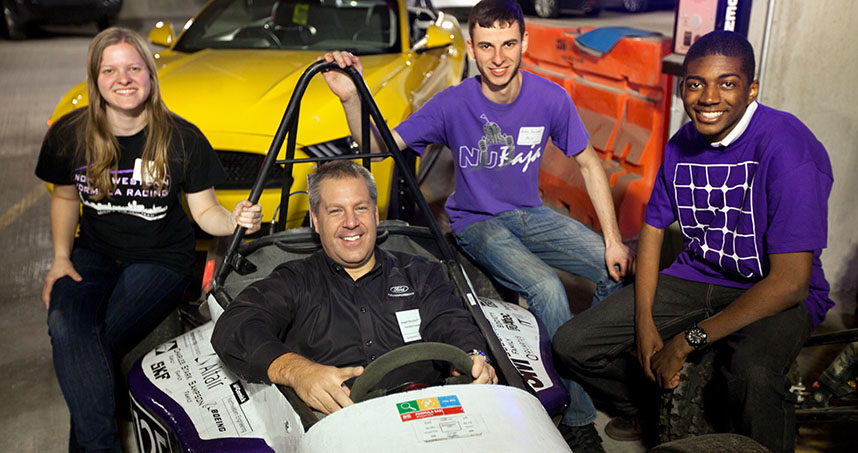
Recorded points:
(338,169)
(489,12)
(726,43)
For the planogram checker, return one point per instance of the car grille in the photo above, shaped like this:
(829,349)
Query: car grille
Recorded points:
(242,168)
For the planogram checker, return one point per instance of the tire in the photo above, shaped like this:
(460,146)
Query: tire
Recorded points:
(635,6)
(547,8)
(14,28)
(713,443)
(683,412)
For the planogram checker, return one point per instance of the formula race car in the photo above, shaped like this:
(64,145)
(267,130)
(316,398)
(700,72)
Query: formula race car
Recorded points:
(183,399)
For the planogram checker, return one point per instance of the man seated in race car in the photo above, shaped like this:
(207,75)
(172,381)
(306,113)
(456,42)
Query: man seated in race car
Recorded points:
(313,324)
(749,186)
(497,126)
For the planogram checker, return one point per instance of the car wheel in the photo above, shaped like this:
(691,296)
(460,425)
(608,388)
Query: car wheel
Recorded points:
(546,8)
(14,28)
(635,6)
(683,412)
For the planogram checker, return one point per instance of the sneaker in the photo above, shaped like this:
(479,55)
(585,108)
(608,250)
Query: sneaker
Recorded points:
(582,439)
(624,428)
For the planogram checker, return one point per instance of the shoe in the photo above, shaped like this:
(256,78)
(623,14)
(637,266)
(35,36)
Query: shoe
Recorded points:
(582,439)
(624,428)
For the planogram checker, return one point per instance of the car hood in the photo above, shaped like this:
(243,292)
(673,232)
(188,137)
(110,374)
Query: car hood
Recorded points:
(246,91)
(238,97)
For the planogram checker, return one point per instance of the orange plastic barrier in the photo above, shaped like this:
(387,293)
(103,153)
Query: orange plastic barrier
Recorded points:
(623,100)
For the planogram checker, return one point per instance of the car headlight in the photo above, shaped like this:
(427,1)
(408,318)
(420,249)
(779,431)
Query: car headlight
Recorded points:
(332,148)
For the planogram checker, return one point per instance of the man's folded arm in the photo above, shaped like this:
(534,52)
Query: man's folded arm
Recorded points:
(248,336)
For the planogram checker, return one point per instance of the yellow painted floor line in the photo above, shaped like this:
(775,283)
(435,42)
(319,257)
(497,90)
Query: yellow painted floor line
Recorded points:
(18,208)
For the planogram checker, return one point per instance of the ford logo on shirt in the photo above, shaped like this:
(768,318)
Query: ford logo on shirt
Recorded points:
(399,291)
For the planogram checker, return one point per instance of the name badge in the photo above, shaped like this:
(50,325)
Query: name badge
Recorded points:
(138,171)
(409,324)
(530,135)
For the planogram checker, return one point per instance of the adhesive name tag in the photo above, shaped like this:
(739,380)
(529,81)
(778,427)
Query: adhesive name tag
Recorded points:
(409,324)
(138,171)
(530,135)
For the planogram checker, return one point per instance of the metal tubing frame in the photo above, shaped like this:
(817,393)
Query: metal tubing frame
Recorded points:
(369,109)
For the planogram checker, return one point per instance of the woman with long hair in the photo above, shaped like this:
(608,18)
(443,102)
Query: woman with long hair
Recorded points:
(126,159)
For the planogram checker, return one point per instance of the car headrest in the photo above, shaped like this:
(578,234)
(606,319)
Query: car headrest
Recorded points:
(281,13)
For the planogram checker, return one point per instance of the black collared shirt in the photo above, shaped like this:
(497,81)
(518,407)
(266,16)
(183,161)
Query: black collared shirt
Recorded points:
(312,307)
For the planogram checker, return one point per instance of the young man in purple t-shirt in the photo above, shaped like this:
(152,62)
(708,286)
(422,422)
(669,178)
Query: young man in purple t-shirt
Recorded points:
(497,126)
(749,187)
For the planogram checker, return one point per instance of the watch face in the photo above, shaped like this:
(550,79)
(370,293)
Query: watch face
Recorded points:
(696,337)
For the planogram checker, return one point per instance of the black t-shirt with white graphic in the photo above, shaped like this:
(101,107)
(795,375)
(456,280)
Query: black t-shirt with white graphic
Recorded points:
(135,224)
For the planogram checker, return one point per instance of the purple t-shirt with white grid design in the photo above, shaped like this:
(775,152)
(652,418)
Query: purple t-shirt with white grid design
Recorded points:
(496,148)
(767,192)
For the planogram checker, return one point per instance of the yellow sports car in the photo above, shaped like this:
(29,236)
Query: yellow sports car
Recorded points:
(232,69)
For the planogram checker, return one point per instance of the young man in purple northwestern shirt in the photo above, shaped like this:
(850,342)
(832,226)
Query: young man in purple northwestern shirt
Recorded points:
(749,187)
(497,125)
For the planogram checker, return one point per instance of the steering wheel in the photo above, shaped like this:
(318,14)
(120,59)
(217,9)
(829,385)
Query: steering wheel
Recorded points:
(405,355)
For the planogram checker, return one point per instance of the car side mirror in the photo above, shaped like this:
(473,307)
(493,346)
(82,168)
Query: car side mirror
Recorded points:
(162,34)
(437,37)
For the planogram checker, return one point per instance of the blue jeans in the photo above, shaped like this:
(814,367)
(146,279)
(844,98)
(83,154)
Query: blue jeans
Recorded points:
(520,248)
(90,323)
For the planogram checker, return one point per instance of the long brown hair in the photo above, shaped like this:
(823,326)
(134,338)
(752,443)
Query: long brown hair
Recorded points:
(101,148)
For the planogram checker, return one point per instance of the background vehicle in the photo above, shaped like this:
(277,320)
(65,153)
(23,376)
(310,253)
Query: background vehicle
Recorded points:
(551,8)
(232,69)
(184,400)
(20,16)
(638,6)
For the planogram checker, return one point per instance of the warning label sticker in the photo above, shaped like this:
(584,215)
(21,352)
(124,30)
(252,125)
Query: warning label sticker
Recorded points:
(438,418)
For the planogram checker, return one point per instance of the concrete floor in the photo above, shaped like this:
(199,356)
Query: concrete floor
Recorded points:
(33,76)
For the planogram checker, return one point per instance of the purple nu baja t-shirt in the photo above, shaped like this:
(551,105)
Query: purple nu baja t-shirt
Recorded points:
(767,192)
(496,148)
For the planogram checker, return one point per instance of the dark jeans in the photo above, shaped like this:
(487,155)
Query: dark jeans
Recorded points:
(597,347)
(90,323)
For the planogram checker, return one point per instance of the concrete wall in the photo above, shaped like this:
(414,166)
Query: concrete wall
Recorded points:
(811,72)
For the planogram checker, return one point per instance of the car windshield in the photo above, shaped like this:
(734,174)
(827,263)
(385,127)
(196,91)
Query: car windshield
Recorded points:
(361,26)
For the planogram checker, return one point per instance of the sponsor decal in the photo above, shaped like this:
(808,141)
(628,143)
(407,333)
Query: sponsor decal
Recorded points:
(166,347)
(239,392)
(429,407)
(518,332)
(159,369)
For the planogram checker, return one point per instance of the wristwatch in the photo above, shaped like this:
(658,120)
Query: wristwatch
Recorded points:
(478,352)
(696,337)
